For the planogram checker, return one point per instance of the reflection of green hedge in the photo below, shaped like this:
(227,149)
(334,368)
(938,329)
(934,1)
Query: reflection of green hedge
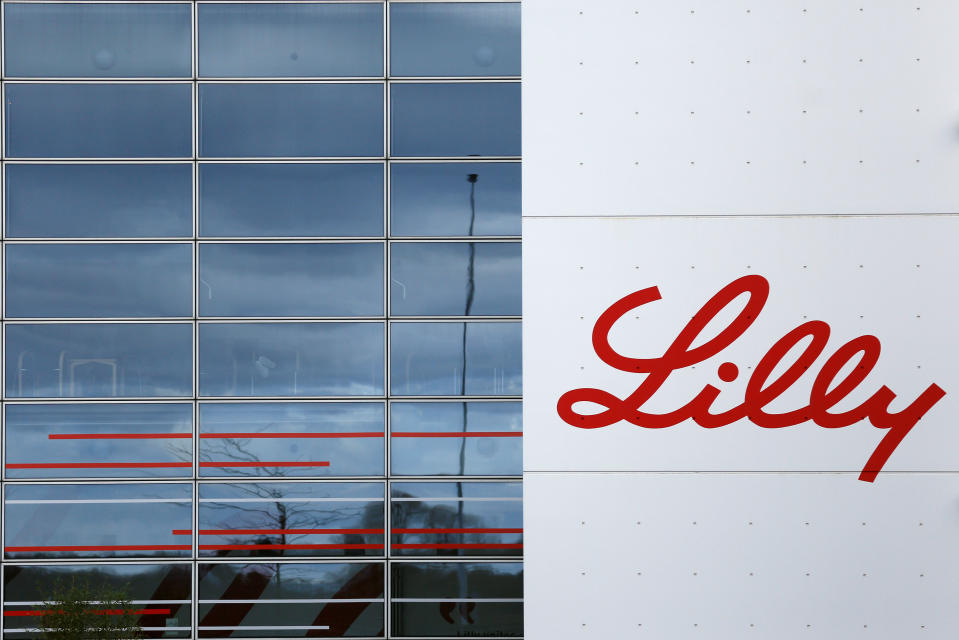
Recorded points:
(39,582)
(81,609)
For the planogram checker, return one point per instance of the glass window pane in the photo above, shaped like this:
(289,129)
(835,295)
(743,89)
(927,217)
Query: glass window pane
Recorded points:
(294,436)
(291,359)
(455,199)
(322,279)
(98,40)
(99,120)
(279,600)
(456,518)
(161,592)
(99,440)
(99,200)
(291,120)
(99,280)
(455,358)
(455,279)
(290,40)
(456,599)
(456,438)
(99,360)
(455,39)
(291,519)
(318,200)
(471,119)
(97,520)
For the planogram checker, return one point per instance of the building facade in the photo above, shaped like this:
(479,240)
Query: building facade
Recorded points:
(262,363)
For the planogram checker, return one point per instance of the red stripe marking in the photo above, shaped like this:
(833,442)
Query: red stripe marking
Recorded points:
(266,434)
(121,547)
(116,436)
(220,532)
(101,465)
(456,546)
(324,463)
(457,434)
(99,612)
(457,531)
(218,547)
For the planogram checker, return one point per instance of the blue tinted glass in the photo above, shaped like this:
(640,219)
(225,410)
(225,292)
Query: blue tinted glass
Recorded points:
(291,200)
(455,358)
(97,520)
(99,440)
(293,436)
(455,39)
(290,40)
(275,280)
(98,40)
(291,120)
(455,278)
(98,120)
(456,438)
(291,518)
(291,359)
(472,119)
(99,360)
(455,199)
(99,200)
(99,280)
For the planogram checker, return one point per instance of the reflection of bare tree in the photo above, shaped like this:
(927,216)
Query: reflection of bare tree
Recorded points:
(417,514)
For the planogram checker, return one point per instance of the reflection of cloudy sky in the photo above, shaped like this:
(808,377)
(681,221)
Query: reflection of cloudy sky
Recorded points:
(99,200)
(151,359)
(291,359)
(99,280)
(430,279)
(291,279)
(432,199)
(318,199)
(427,358)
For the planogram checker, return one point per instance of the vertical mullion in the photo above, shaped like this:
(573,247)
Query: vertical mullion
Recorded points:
(195,526)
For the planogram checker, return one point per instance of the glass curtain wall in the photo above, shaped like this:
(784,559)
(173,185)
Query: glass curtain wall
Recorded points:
(261,315)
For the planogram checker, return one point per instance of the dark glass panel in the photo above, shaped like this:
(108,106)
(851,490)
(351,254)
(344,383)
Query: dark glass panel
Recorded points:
(98,360)
(298,600)
(291,120)
(348,435)
(291,200)
(455,278)
(276,280)
(99,440)
(460,119)
(97,520)
(455,199)
(291,359)
(109,40)
(462,599)
(99,120)
(453,358)
(424,438)
(99,200)
(99,280)
(291,519)
(290,40)
(455,39)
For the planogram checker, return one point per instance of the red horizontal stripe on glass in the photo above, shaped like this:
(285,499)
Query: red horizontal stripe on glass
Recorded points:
(457,531)
(240,547)
(101,465)
(99,612)
(221,532)
(267,434)
(456,546)
(117,436)
(121,547)
(457,434)
(322,463)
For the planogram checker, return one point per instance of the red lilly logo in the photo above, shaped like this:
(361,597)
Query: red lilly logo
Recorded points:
(825,393)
